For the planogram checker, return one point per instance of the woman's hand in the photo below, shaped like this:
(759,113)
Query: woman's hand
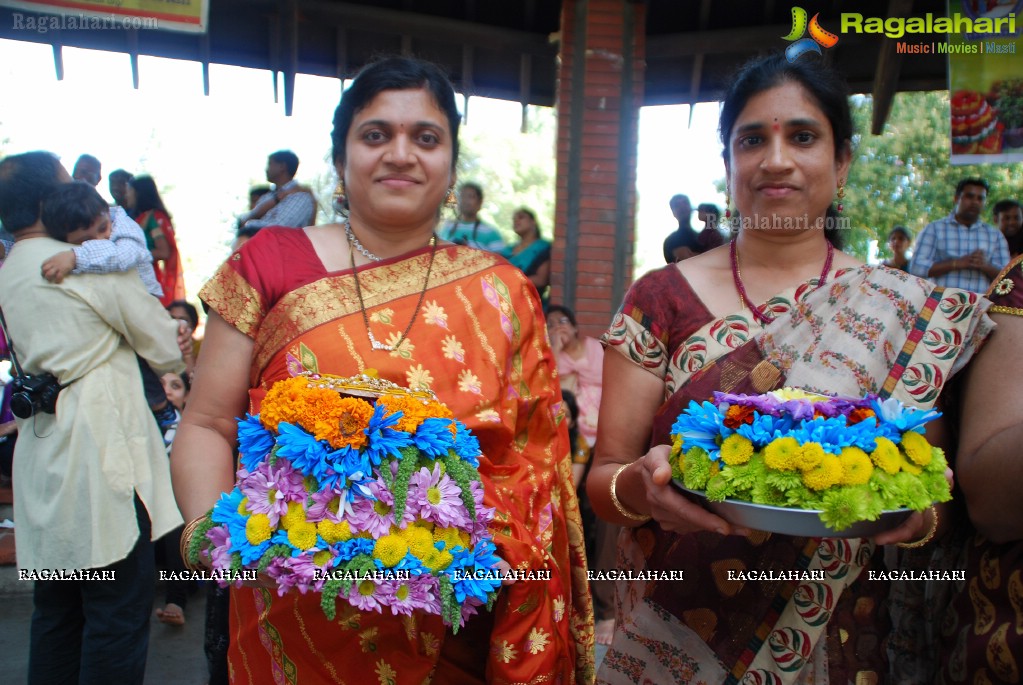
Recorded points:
(919,525)
(672,510)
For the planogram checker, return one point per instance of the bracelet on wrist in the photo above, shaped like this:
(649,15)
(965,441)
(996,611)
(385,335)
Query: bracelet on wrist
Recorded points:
(186,543)
(926,538)
(622,509)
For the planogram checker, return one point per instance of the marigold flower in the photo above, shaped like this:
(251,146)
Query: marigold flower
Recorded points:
(916,448)
(856,466)
(390,550)
(829,472)
(257,529)
(860,414)
(885,455)
(781,454)
(736,450)
(738,415)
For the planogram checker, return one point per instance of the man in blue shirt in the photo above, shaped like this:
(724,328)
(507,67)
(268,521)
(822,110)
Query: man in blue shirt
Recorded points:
(960,250)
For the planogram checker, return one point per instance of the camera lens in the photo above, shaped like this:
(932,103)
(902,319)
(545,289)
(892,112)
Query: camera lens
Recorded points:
(21,405)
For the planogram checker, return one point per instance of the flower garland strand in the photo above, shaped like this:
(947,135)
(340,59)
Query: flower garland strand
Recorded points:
(851,458)
(374,501)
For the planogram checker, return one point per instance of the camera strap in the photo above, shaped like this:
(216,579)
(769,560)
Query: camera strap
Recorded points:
(10,346)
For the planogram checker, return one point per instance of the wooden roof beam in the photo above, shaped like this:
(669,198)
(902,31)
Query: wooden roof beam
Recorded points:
(886,74)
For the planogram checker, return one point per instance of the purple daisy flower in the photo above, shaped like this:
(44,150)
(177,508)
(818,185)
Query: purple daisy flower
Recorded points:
(270,487)
(303,572)
(220,555)
(332,504)
(484,515)
(375,516)
(416,593)
(437,498)
(368,595)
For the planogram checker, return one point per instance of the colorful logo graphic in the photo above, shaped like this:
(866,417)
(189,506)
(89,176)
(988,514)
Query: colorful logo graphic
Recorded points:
(818,36)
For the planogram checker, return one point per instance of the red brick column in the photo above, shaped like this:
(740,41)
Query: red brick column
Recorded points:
(600,89)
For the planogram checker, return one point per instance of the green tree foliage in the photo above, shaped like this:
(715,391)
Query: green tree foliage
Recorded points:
(515,169)
(904,176)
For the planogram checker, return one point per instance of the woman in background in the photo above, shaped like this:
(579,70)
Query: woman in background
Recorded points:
(148,209)
(532,254)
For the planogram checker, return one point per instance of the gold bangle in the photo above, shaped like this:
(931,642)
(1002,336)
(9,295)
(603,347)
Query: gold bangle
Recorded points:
(631,515)
(926,538)
(186,542)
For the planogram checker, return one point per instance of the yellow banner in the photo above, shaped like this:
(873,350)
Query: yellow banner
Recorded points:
(170,15)
(985,84)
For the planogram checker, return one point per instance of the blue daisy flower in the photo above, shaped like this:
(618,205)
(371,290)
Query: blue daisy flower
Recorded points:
(384,441)
(349,549)
(467,445)
(702,425)
(433,437)
(409,563)
(307,454)
(765,428)
(254,441)
(894,413)
(464,567)
(831,434)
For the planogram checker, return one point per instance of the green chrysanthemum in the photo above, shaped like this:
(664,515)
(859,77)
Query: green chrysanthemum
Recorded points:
(697,469)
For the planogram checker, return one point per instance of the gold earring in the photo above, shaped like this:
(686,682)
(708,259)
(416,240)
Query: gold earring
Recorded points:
(451,200)
(340,201)
(841,195)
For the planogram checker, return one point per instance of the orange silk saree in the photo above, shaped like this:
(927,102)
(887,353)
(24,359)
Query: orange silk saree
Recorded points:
(478,341)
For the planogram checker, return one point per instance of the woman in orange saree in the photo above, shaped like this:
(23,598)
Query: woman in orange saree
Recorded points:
(365,297)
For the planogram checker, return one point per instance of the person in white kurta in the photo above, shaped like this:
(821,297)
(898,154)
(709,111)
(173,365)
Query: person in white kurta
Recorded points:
(76,472)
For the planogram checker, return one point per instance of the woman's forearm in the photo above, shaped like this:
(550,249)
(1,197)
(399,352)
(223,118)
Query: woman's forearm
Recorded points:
(992,479)
(202,467)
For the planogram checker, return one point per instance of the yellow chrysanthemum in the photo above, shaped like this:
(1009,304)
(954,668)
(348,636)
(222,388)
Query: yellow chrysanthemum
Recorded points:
(296,514)
(334,532)
(419,540)
(885,455)
(302,535)
(908,466)
(322,558)
(243,506)
(451,537)
(676,447)
(781,454)
(810,456)
(390,550)
(736,450)
(436,560)
(856,466)
(916,448)
(257,529)
(829,472)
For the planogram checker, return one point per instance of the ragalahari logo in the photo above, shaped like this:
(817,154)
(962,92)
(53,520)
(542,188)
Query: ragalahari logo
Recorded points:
(818,36)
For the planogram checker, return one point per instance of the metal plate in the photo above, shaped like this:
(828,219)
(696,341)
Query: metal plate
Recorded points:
(796,522)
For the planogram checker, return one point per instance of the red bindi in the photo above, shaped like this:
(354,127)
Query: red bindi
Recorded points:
(776,126)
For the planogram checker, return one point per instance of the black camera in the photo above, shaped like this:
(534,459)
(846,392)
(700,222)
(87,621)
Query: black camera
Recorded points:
(34,394)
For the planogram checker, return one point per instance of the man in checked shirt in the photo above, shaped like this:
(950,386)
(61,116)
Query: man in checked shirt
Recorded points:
(960,250)
(289,204)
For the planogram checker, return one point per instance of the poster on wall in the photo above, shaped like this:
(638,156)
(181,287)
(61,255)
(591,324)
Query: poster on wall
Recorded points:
(170,15)
(985,74)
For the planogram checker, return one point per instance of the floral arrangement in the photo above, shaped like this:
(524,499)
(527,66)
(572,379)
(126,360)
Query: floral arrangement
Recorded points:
(359,489)
(850,458)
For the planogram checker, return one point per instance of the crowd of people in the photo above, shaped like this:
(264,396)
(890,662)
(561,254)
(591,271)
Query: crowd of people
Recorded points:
(574,431)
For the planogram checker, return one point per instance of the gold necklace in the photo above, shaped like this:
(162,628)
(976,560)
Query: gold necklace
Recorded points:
(374,343)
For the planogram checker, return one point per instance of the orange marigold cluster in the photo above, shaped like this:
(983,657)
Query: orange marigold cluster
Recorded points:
(738,415)
(341,421)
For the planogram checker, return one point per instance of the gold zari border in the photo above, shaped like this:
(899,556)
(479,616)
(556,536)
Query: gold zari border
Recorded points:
(1002,309)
